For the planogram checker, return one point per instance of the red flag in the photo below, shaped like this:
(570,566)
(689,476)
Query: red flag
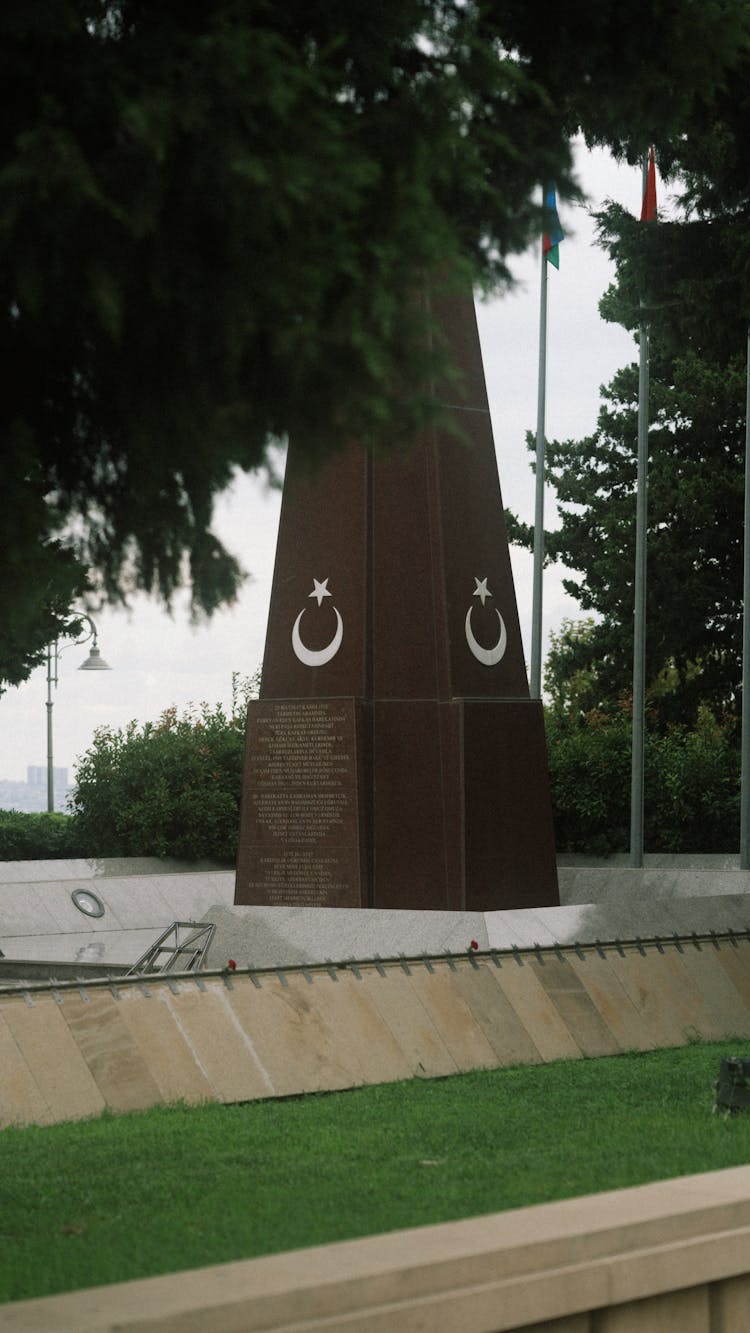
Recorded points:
(648,211)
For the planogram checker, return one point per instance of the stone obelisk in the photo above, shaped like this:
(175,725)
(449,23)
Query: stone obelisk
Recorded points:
(394,758)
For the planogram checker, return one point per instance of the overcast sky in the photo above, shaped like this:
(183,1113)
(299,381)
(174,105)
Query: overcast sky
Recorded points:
(158,661)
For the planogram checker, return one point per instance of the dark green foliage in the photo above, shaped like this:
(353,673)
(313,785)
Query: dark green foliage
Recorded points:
(210,219)
(173,788)
(572,671)
(694,540)
(170,788)
(214,220)
(688,280)
(124,1197)
(691,784)
(693,788)
(700,76)
(38,579)
(692,272)
(38,837)
(590,779)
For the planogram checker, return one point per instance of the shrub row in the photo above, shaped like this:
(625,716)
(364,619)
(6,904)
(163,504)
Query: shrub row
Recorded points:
(38,837)
(172,788)
(691,785)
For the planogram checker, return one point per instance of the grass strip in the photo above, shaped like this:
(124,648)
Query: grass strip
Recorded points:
(120,1197)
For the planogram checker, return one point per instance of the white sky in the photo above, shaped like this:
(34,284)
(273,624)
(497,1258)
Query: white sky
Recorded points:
(158,661)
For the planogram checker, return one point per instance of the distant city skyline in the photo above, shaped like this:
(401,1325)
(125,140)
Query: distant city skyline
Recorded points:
(30,797)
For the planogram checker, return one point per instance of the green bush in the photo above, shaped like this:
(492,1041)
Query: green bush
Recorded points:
(38,837)
(589,766)
(692,789)
(172,788)
(691,785)
(169,788)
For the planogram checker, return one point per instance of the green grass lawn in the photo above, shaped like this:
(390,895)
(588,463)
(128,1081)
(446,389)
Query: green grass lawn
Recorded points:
(121,1197)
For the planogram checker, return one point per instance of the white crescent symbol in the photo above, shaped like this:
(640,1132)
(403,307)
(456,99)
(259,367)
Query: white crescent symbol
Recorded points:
(315,659)
(487,656)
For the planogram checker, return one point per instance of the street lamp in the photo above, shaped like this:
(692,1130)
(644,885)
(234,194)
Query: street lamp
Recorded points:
(94,662)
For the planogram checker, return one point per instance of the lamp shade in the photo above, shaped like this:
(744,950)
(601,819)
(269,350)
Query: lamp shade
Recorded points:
(94,662)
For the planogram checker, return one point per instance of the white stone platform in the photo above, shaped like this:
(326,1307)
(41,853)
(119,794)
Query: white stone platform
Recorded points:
(604,900)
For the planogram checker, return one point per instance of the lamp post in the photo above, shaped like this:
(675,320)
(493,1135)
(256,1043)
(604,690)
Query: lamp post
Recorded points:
(94,662)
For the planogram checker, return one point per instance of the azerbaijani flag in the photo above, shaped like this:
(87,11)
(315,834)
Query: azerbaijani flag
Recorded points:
(648,210)
(553,232)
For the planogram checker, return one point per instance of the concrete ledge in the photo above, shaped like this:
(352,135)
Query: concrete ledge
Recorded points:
(670,1257)
(38,872)
(605,884)
(14,971)
(654,860)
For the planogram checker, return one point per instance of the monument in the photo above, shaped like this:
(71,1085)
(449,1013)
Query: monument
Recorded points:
(394,758)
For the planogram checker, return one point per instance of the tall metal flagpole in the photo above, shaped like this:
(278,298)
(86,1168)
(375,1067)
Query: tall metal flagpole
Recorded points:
(639,613)
(552,235)
(536,605)
(745,743)
(639,627)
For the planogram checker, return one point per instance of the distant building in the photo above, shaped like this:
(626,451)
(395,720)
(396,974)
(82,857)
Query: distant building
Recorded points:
(30,796)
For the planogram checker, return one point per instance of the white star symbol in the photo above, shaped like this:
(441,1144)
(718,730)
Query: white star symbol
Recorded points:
(481,591)
(320,590)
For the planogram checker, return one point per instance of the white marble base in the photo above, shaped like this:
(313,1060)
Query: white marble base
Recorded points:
(601,901)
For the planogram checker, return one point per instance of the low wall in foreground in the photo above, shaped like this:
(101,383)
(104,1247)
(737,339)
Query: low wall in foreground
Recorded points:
(73,1048)
(672,1257)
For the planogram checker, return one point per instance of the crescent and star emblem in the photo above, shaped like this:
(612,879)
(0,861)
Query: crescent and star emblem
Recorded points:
(308,656)
(487,656)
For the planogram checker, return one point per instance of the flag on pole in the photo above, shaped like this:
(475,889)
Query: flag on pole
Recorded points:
(648,210)
(553,232)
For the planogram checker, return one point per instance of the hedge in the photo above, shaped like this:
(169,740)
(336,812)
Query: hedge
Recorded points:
(38,837)
(172,789)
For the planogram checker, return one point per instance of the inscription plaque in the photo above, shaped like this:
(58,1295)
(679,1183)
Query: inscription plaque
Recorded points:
(299,831)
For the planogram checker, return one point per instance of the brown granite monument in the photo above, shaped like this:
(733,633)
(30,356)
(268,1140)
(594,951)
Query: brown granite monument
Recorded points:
(394,758)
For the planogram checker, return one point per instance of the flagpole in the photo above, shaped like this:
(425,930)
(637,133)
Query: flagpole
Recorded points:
(639,627)
(639,612)
(745,742)
(536,608)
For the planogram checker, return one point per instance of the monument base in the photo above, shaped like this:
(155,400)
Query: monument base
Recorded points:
(417,804)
